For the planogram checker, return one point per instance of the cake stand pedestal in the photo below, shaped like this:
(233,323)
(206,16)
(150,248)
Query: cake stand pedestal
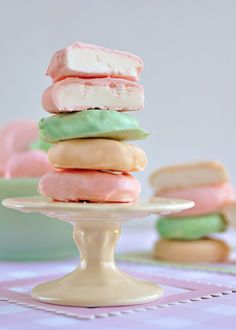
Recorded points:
(98,281)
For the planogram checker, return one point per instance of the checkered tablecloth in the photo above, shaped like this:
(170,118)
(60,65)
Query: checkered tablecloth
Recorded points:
(218,312)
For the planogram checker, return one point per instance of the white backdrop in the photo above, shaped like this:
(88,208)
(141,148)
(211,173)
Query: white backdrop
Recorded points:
(189,53)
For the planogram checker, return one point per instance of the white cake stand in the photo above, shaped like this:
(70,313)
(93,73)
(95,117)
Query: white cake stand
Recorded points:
(98,281)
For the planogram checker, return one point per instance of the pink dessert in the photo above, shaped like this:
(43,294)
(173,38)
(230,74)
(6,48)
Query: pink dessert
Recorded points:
(75,94)
(89,185)
(89,61)
(207,198)
(14,138)
(32,163)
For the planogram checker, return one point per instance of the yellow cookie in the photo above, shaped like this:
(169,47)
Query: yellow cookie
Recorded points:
(97,154)
(203,250)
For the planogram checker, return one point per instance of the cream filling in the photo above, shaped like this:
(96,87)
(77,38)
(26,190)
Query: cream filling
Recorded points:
(90,61)
(99,96)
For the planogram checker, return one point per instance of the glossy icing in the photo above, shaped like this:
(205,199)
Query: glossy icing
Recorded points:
(89,185)
(90,124)
(97,154)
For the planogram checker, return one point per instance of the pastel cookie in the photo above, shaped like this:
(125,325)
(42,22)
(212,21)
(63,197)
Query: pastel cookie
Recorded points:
(188,175)
(40,145)
(33,163)
(89,185)
(97,154)
(203,250)
(90,124)
(16,137)
(190,228)
(75,94)
(207,198)
(89,61)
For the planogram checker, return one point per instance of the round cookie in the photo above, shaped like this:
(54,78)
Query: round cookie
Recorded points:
(203,250)
(190,228)
(89,185)
(207,198)
(33,163)
(97,154)
(90,124)
(16,137)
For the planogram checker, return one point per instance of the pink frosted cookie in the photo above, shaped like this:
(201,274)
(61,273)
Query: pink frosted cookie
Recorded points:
(14,138)
(75,94)
(89,61)
(32,163)
(208,198)
(89,185)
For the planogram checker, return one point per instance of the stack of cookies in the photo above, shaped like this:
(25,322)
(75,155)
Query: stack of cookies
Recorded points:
(185,236)
(92,88)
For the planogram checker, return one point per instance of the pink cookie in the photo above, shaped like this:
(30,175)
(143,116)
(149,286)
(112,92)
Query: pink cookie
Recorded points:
(14,138)
(89,185)
(89,61)
(207,198)
(28,164)
(75,94)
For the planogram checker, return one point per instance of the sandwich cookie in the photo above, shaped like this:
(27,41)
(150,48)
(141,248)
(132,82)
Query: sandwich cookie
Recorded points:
(190,228)
(203,250)
(90,124)
(75,94)
(89,185)
(97,154)
(90,61)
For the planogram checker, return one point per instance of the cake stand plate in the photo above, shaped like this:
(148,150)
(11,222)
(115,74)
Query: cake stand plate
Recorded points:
(98,281)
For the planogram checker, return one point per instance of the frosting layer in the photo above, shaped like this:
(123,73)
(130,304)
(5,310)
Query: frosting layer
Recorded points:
(97,154)
(90,124)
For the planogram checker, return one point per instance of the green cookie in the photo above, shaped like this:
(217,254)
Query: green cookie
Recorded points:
(190,228)
(91,124)
(40,145)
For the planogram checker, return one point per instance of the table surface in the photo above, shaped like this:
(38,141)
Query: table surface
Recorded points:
(216,313)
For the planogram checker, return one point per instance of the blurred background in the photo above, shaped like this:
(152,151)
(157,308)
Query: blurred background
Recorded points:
(189,53)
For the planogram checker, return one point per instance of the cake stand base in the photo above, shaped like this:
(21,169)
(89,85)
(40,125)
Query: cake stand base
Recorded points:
(81,289)
(96,229)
